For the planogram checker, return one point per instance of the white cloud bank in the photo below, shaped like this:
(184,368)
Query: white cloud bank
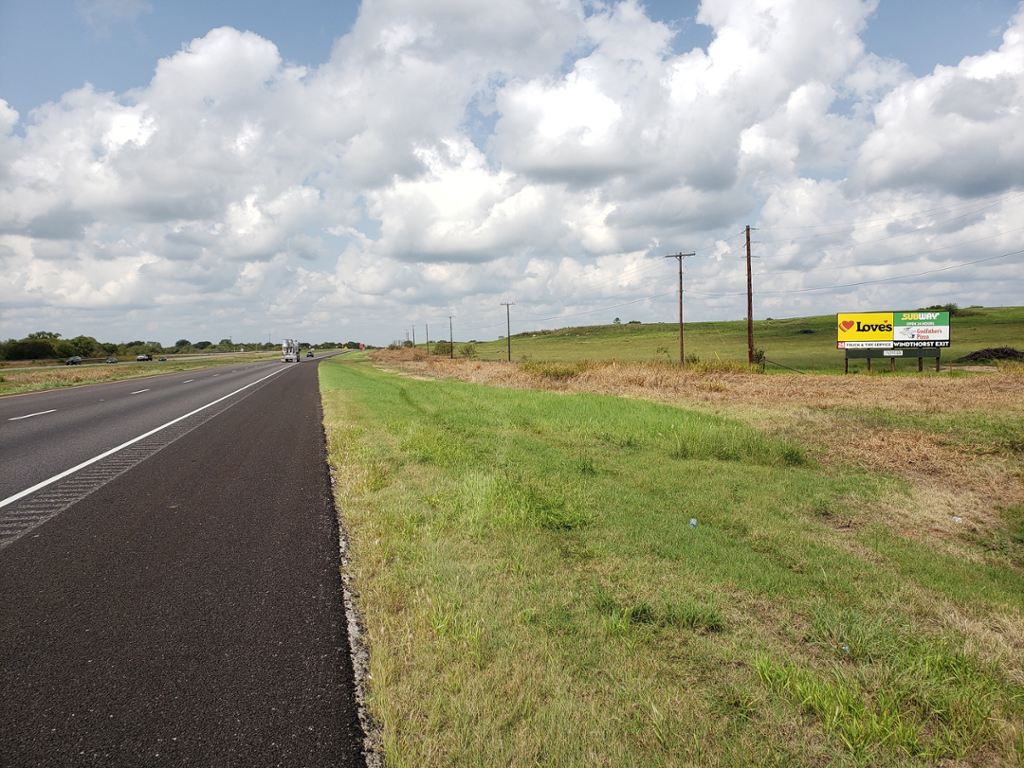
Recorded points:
(455,154)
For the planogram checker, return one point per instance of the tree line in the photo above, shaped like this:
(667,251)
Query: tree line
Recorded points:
(45,345)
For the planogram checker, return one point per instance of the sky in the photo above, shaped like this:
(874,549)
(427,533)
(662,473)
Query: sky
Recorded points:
(351,171)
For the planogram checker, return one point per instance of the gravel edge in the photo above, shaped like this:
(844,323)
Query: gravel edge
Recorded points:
(359,649)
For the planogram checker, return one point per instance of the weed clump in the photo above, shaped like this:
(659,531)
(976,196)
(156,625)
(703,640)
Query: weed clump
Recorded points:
(688,614)
(557,371)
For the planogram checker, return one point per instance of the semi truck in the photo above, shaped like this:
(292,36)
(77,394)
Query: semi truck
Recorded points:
(290,351)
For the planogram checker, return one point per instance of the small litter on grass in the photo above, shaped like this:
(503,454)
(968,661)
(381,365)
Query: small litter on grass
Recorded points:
(693,522)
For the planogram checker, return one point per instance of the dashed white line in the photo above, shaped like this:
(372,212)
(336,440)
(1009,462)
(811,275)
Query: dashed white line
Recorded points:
(30,415)
(188,382)
(139,391)
(216,374)
(112,451)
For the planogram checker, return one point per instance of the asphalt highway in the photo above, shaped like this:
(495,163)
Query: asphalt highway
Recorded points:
(189,611)
(44,433)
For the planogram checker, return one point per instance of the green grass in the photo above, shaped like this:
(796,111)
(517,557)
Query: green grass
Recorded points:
(534,592)
(805,343)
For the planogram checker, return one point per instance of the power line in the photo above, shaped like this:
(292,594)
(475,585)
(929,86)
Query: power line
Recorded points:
(878,222)
(867,282)
(851,246)
(695,293)
(883,263)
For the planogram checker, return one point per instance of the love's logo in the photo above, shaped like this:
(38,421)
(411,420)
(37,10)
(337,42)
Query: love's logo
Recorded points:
(859,327)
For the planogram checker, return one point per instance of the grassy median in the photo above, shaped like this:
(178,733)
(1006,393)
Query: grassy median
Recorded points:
(568,578)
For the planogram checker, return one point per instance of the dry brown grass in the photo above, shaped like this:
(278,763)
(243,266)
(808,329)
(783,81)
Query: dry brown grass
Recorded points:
(949,480)
(928,393)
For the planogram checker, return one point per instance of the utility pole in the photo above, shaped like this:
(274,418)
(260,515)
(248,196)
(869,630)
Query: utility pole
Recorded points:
(680,257)
(750,307)
(414,337)
(427,328)
(508,327)
(451,338)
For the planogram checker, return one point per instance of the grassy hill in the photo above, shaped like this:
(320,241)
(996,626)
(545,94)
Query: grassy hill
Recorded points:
(805,343)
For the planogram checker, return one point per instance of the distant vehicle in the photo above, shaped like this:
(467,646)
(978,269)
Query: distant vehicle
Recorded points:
(161,359)
(290,351)
(310,353)
(111,359)
(140,358)
(74,360)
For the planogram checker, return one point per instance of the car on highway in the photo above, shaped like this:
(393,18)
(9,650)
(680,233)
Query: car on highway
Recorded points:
(74,360)
(161,359)
(111,359)
(141,358)
(310,353)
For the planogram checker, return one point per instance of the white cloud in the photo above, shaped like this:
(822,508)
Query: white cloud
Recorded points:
(957,130)
(454,154)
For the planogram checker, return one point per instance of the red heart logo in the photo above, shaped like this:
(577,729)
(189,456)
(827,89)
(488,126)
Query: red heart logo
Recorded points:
(847,324)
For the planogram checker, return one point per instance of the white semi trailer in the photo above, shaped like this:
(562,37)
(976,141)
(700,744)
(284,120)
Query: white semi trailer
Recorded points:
(290,351)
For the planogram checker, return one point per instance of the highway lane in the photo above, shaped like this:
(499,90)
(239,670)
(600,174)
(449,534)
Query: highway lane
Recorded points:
(188,612)
(44,433)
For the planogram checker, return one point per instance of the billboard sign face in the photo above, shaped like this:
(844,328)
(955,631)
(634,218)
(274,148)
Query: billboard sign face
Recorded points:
(920,329)
(865,330)
(892,330)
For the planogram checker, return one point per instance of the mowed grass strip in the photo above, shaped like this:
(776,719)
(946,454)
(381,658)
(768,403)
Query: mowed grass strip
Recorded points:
(534,592)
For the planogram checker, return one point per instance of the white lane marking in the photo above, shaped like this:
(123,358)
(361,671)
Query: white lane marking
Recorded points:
(122,446)
(215,375)
(139,391)
(188,382)
(30,415)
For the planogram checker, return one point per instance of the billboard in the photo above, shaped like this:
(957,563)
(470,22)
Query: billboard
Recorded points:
(892,330)
(920,329)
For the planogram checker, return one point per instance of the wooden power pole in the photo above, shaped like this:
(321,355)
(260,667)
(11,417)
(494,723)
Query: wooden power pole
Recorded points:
(750,307)
(680,257)
(451,338)
(508,327)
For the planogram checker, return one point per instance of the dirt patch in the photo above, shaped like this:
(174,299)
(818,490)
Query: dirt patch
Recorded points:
(995,353)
